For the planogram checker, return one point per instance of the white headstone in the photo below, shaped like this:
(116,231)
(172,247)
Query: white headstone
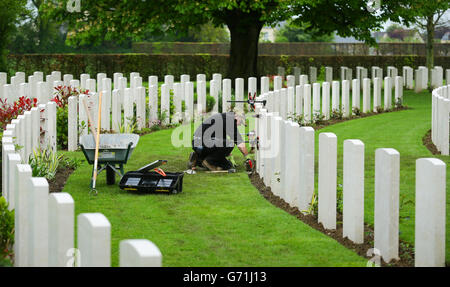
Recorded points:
(94,240)
(306,175)
(177,94)
(335,102)
(326,100)
(100,77)
(128,112)
(140,107)
(189,100)
(430,215)
(239,93)
(346,109)
(316,100)
(116,111)
(277,83)
(214,92)
(226,95)
(183,80)
(356,94)
(11,160)
(3,81)
(398,90)
(290,102)
(307,103)
(299,100)
(153,104)
(60,228)
(353,191)
(72,137)
(376,94)
(21,220)
(165,103)
(366,95)
(387,189)
(327,180)
(139,253)
(264,85)
(83,80)
(252,86)
(37,194)
(387,93)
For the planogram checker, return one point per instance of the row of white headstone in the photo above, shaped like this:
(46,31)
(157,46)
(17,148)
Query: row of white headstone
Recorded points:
(44,223)
(285,162)
(125,99)
(297,101)
(440,111)
(346,73)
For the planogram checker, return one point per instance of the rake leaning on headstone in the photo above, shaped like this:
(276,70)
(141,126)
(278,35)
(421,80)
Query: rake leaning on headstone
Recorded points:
(214,140)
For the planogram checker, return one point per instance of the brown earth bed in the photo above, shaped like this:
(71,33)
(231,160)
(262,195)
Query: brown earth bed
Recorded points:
(406,253)
(57,184)
(429,144)
(333,121)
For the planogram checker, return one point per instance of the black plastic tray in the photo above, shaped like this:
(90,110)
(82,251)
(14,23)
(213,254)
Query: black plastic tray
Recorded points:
(152,182)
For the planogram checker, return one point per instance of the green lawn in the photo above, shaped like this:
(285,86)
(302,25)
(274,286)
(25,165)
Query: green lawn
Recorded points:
(221,220)
(403,131)
(218,220)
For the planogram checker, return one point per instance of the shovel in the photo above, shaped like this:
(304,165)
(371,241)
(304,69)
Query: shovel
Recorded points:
(97,143)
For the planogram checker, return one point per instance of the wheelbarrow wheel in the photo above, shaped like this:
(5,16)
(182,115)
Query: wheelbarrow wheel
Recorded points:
(110,176)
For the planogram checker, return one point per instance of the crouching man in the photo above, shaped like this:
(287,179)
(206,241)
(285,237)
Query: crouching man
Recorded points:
(214,140)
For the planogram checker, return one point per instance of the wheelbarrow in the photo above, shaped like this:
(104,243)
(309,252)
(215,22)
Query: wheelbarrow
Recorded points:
(113,152)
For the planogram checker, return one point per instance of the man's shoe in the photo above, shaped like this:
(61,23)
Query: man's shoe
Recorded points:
(193,157)
(209,166)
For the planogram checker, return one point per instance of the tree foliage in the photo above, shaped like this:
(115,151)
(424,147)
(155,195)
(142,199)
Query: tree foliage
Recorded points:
(427,16)
(295,33)
(120,20)
(11,12)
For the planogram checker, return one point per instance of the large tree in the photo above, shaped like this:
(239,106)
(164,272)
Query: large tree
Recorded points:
(427,16)
(112,19)
(11,12)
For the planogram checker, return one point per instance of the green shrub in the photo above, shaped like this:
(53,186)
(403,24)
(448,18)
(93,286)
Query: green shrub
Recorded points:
(62,127)
(44,163)
(6,233)
(210,102)
(192,64)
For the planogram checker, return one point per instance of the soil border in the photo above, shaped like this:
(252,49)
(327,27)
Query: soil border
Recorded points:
(426,140)
(333,121)
(59,181)
(406,252)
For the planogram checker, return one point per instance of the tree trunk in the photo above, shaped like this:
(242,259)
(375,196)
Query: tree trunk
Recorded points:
(430,47)
(244,29)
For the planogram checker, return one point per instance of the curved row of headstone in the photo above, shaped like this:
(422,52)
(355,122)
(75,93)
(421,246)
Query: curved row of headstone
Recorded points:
(309,100)
(440,111)
(285,161)
(44,222)
(409,74)
(319,101)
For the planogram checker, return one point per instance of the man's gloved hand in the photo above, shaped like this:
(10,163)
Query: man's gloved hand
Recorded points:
(231,159)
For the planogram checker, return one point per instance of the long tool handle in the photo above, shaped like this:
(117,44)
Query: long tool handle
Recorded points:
(97,143)
(91,123)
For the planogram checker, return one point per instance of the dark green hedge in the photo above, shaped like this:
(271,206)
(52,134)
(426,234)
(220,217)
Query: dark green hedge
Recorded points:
(176,65)
(297,49)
